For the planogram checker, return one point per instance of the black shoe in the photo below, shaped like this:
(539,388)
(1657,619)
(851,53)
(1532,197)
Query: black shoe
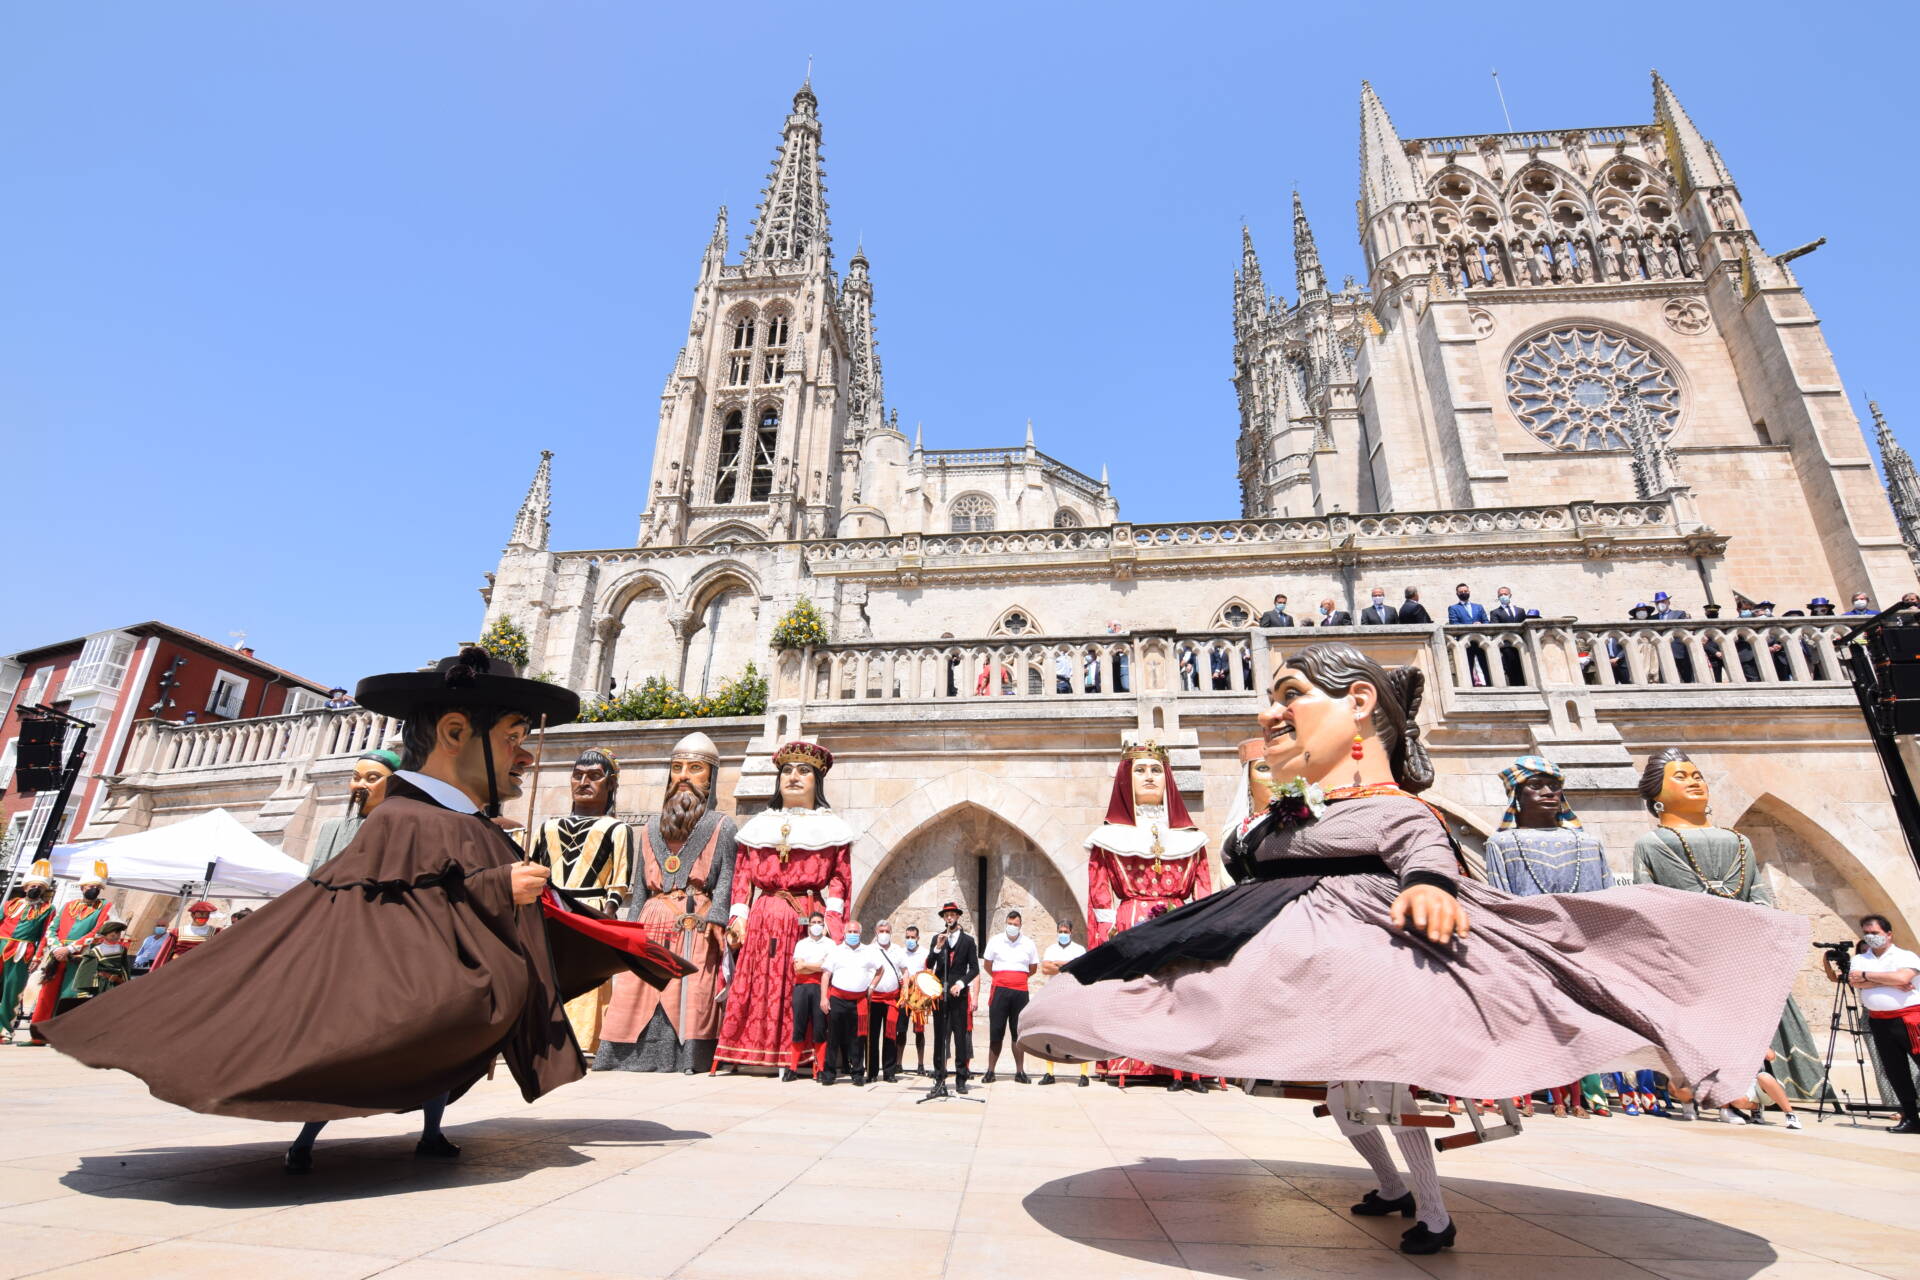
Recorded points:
(1048,1079)
(987,1078)
(1421,1240)
(299,1160)
(788,1075)
(827,1077)
(435,1148)
(1374,1205)
(1020,1077)
(1085,1081)
(961,1086)
(1909,1125)
(891,1077)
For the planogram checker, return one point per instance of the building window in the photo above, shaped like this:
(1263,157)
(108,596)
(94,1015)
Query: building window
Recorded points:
(300,700)
(775,367)
(1235,615)
(229,693)
(7,758)
(765,441)
(37,819)
(740,368)
(1577,388)
(1066,518)
(37,687)
(102,664)
(1014,622)
(727,478)
(777,329)
(743,333)
(972,513)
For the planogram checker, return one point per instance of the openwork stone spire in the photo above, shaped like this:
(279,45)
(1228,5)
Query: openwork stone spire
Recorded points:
(866,395)
(1386,175)
(1307,273)
(1654,469)
(530,526)
(1249,289)
(1695,162)
(792,221)
(1903,482)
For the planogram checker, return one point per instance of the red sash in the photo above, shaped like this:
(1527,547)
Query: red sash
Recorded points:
(1011,979)
(891,999)
(1909,1015)
(861,1010)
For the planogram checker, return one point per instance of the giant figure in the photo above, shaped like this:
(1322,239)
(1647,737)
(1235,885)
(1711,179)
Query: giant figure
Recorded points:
(684,886)
(794,859)
(74,930)
(589,852)
(23,923)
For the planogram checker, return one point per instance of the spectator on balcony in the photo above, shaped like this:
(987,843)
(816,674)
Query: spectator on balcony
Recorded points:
(1278,615)
(1189,669)
(337,700)
(1782,665)
(1912,597)
(1862,604)
(1379,613)
(1465,613)
(1412,611)
(1221,666)
(1122,664)
(1506,611)
(1329,617)
(1062,672)
(1665,612)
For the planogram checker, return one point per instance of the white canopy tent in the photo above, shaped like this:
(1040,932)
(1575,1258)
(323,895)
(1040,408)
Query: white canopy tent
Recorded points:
(164,859)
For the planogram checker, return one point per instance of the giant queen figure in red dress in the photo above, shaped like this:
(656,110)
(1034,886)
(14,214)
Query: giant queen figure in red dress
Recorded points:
(794,859)
(1147,858)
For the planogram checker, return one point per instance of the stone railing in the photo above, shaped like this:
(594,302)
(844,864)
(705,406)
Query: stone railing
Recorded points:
(1599,135)
(160,746)
(1638,655)
(1051,668)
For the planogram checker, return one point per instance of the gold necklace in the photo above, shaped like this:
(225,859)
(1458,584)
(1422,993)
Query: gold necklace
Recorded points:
(1687,853)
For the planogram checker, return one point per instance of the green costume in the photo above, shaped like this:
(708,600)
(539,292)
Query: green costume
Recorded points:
(1722,863)
(78,922)
(22,925)
(94,973)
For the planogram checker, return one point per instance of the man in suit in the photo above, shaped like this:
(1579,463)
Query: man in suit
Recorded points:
(1379,613)
(1663,611)
(1505,610)
(955,960)
(1278,615)
(1332,617)
(1412,610)
(1466,614)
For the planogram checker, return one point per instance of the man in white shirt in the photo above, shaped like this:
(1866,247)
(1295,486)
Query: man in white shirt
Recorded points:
(809,1009)
(1010,959)
(850,972)
(1063,950)
(1885,976)
(883,1006)
(912,959)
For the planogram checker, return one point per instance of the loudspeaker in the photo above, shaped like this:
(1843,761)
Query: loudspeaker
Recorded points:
(37,755)
(1901,681)
(1896,644)
(1899,715)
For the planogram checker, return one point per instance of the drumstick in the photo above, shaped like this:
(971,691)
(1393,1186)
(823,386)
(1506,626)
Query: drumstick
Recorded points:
(533,785)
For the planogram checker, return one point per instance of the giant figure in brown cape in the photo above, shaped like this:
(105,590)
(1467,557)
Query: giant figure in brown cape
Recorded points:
(393,978)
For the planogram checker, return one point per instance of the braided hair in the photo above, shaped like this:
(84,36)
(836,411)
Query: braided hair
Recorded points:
(1334,667)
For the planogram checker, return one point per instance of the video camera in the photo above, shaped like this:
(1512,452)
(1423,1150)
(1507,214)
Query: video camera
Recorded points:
(1841,954)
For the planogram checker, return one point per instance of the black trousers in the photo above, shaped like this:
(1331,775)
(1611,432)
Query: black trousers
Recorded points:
(883,1050)
(843,1036)
(952,1023)
(809,1016)
(1003,1011)
(1896,1053)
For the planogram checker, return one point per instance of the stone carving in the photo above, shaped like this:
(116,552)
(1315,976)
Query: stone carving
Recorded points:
(1686,315)
(1482,320)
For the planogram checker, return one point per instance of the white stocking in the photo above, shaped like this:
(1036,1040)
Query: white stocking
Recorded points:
(1417,1148)
(1373,1149)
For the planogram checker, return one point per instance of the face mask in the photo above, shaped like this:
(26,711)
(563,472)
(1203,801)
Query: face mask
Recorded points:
(1379,602)
(1746,613)
(1876,940)
(883,937)
(853,939)
(1066,939)
(1505,601)
(1013,931)
(815,930)
(913,944)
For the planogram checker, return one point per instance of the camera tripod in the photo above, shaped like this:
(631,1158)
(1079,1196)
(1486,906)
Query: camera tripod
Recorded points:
(1845,1013)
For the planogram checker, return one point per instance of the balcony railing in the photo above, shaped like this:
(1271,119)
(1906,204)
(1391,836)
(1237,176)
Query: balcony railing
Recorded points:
(306,737)
(1669,656)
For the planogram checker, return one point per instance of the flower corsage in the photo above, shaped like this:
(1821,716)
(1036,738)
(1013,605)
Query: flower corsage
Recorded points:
(1298,802)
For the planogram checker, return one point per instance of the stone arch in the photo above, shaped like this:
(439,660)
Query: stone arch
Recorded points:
(732,531)
(1221,620)
(721,626)
(634,632)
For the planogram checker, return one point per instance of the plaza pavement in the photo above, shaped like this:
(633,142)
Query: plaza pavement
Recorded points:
(738,1178)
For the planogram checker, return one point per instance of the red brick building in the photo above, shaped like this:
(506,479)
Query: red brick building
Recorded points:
(113,678)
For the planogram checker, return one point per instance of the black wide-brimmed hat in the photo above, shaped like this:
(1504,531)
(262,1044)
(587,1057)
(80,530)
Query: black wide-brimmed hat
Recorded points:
(466,680)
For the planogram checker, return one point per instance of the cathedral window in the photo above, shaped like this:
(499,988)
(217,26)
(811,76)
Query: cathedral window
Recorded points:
(972,513)
(1066,518)
(743,333)
(775,367)
(1575,388)
(765,441)
(777,330)
(739,368)
(1014,622)
(727,478)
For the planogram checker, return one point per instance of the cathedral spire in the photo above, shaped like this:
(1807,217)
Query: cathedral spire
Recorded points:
(1695,162)
(530,526)
(1386,176)
(866,391)
(1249,287)
(1307,273)
(1903,482)
(718,243)
(792,219)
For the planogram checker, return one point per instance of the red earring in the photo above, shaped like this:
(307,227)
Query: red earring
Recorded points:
(1359,747)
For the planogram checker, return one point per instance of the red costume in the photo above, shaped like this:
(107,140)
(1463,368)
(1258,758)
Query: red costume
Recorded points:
(788,864)
(1141,863)
(181,941)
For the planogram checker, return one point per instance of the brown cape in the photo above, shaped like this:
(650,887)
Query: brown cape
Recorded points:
(397,973)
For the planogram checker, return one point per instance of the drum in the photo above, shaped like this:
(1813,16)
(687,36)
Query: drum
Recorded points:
(921,995)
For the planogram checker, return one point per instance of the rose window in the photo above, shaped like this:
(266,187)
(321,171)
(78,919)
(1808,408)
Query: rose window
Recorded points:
(1575,388)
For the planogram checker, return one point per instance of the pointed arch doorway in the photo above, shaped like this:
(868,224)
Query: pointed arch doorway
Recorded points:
(974,857)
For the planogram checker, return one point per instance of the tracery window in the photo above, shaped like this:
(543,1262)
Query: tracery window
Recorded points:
(743,332)
(1066,518)
(972,513)
(1236,615)
(766,440)
(1575,387)
(773,366)
(726,480)
(1014,622)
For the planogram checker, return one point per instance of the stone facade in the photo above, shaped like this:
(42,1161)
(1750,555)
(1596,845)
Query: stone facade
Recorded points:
(1571,371)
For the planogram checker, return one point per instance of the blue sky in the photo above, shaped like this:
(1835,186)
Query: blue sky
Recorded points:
(293,294)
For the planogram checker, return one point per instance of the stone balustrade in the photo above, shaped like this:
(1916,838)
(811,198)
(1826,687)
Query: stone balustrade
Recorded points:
(299,740)
(1670,656)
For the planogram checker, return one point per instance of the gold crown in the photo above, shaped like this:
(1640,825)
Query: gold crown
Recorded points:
(803,752)
(1145,750)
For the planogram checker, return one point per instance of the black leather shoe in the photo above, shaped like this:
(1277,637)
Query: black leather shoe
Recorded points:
(1020,1077)
(1048,1079)
(1374,1205)
(788,1075)
(299,1160)
(987,1078)
(1421,1240)
(961,1086)
(827,1077)
(435,1148)
(1906,1126)
(1085,1081)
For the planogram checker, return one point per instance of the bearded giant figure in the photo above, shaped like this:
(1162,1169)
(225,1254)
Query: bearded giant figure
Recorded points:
(1146,859)
(794,859)
(683,886)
